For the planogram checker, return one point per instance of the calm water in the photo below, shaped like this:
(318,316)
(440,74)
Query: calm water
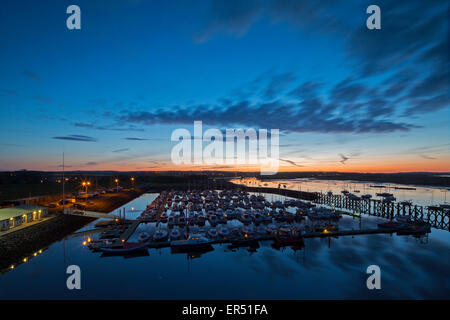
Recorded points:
(322,269)
(423,196)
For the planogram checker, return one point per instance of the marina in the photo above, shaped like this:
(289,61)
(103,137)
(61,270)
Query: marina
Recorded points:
(185,214)
(385,205)
(282,269)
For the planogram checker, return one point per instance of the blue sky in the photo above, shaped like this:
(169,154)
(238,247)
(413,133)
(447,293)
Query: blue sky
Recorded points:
(110,94)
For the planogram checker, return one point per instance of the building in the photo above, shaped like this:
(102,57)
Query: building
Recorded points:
(15,216)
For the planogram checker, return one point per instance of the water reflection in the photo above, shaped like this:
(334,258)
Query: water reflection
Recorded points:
(23,260)
(420,195)
(317,268)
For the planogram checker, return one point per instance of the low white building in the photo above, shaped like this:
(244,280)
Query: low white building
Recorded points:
(15,216)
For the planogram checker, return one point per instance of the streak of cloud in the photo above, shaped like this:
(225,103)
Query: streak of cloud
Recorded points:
(76,137)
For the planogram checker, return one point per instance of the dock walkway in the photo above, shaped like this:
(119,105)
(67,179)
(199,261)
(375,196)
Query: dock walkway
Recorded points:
(90,214)
(314,234)
(127,233)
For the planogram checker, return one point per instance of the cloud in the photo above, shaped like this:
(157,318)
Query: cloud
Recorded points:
(121,150)
(306,90)
(91,163)
(292,162)
(347,92)
(308,116)
(32,75)
(439,148)
(343,158)
(76,137)
(278,83)
(436,82)
(427,105)
(413,33)
(408,56)
(424,156)
(232,16)
(379,107)
(137,139)
(112,127)
(65,166)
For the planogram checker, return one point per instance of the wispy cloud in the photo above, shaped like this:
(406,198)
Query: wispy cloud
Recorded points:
(112,127)
(424,156)
(413,33)
(345,158)
(136,139)
(121,150)
(314,115)
(231,16)
(76,137)
(32,75)
(292,162)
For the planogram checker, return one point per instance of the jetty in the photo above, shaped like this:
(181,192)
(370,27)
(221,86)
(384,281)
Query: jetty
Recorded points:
(249,241)
(90,214)
(127,233)
(437,217)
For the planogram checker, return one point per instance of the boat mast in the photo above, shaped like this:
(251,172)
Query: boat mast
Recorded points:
(63,180)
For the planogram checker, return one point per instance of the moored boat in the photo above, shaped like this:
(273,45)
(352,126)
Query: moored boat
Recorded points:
(175,234)
(126,247)
(212,233)
(223,232)
(193,241)
(143,237)
(160,235)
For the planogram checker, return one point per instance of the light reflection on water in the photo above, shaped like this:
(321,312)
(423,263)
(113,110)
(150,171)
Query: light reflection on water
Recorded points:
(424,196)
(323,269)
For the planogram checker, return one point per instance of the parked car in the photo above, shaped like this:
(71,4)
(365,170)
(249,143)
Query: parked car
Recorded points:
(79,206)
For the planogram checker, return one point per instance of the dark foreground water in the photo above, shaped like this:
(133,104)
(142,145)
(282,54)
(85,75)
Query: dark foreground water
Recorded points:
(322,269)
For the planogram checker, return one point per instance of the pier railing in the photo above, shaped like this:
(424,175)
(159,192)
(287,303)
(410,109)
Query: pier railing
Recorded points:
(438,217)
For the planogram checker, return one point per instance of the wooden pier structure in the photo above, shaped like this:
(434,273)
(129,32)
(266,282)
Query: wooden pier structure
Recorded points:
(128,232)
(437,217)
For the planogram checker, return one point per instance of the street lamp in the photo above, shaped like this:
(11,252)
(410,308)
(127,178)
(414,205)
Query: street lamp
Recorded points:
(86,184)
(132,183)
(117,184)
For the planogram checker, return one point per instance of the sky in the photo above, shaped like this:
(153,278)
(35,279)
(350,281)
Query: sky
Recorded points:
(345,98)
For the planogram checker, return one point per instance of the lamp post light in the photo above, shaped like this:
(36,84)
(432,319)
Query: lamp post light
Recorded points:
(132,183)
(117,184)
(86,184)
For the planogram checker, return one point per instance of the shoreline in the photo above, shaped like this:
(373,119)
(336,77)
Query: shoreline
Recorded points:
(406,179)
(15,247)
(389,185)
